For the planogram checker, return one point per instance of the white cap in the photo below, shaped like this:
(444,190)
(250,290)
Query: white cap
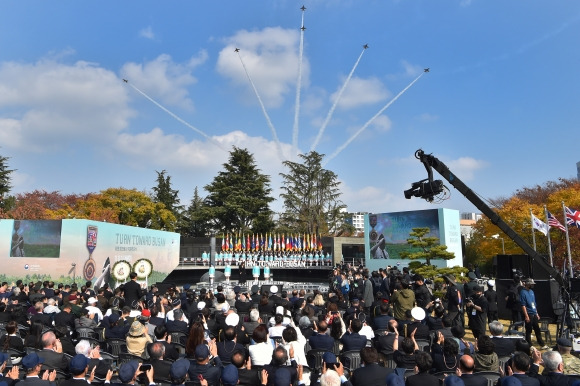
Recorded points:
(232,319)
(200,305)
(274,289)
(418,313)
(491,283)
(225,307)
(91,300)
(280,310)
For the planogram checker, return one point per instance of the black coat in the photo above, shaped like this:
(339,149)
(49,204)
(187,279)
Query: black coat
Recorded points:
(371,374)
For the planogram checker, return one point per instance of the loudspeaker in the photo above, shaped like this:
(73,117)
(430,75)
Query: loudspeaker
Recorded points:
(508,264)
(547,294)
(539,273)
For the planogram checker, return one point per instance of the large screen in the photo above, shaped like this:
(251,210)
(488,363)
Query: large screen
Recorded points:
(35,238)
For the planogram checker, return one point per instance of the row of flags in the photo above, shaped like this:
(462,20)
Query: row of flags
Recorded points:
(571,219)
(271,242)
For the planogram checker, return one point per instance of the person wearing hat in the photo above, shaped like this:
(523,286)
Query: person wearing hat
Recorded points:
(491,296)
(178,371)
(12,376)
(417,325)
(93,309)
(571,362)
(469,287)
(137,339)
(206,363)
(230,375)
(530,312)
(78,368)
(455,296)
(176,304)
(72,300)
(86,320)
(476,307)
(32,365)
(129,371)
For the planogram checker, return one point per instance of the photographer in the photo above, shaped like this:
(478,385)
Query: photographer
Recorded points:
(477,311)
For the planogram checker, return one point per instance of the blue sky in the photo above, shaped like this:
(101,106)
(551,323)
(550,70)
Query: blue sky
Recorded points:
(500,105)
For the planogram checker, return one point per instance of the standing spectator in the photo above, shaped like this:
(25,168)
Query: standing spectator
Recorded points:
(132,290)
(491,297)
(477,311)
(455,297)
(530,312)
(403,300)
(512,300)
(368,294)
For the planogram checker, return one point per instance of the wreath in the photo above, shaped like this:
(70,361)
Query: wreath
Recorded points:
(121,270)
(143,268)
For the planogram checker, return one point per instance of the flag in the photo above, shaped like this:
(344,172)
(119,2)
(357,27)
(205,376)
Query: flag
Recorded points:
(553,222)
(270,242)
(223,242)
(573,217)
(539,225)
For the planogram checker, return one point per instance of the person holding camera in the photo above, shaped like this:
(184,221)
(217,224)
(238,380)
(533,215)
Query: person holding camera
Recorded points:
(477,311)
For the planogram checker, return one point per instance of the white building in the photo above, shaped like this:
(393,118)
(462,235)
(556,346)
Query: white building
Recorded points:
(467,222)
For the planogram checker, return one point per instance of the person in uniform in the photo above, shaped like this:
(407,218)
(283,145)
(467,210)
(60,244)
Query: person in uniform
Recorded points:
(571,362)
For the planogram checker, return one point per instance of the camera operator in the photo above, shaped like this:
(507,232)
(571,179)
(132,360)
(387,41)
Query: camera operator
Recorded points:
(477,311)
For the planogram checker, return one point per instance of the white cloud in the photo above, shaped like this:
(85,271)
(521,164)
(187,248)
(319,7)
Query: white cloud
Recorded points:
(465,167)
(271,57)
(361,92)
(426,117)
(47,105)
(382,123)
(147,33)
(411,69)
(164,79)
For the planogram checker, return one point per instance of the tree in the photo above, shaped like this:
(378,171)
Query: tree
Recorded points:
(119,206)
(515,211)
(164,194)
(40,205)
(239,196)
(425,247)
(193,223)
(5,185)
(311,196)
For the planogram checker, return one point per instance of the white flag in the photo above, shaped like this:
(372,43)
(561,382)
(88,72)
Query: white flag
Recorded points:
(539,225)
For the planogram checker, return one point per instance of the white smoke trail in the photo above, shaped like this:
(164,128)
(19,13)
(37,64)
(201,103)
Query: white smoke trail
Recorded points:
(341,148)
(298,89)
(274,135)
(178,118)
(333,107)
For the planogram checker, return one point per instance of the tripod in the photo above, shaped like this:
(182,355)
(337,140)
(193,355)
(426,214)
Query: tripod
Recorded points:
(566,323)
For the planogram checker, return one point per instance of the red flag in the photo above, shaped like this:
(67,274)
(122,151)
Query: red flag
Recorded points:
(553,222)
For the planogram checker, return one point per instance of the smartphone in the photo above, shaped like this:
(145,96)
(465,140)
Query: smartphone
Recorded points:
(200,377)
(145,367)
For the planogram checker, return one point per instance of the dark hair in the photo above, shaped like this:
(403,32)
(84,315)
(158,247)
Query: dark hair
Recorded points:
(238,358)
(408,346)
(260,334)
(458,331)
(424,361)
(521,361)
(336,328)
(229,333)
(160,331)
(523,346)
(369,355)
(485,345)
(356,325)
(278,318)
(289,334)
(36,331)
(450,347)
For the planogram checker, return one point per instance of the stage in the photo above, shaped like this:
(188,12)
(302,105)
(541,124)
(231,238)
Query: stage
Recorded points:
(190,271)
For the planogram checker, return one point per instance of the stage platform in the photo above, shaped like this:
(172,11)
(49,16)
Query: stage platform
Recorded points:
(191,272)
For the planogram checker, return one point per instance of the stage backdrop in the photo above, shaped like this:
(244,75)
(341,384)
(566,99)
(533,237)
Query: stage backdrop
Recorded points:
(386,236)
(101,252)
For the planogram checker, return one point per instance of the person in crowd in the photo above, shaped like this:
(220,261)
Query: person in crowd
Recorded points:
(372,373)
(519,367)
(476,306)
(246,375)
(320,340)
(261,350)
(465,372)
(196,337)
(205,367)
(352,340)
(485,357)
(465,347)
(455,296)
(491,297)
(403,300)
(504,347)
(422,370)
(530,313)
(445,353)
(157,360)
(138,339)
(571,362)
(226,347)
(11,340)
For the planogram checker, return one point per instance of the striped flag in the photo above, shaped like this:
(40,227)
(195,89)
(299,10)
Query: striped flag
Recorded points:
(553,222)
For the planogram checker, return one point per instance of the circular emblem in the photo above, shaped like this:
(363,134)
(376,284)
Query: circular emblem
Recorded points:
(26,266)
(143,268)
(121,270)
(373,235)
(89,269)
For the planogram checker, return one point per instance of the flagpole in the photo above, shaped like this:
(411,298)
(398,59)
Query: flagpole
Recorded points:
(549,239)
(568,241)
(533,233)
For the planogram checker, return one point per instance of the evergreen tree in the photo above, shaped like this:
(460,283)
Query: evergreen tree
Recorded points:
(6,201)
(426,247)
(239,196)
(164,194)
(193,223)
(311,197)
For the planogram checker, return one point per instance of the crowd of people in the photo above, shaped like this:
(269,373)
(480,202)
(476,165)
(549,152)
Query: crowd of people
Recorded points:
(371,328)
